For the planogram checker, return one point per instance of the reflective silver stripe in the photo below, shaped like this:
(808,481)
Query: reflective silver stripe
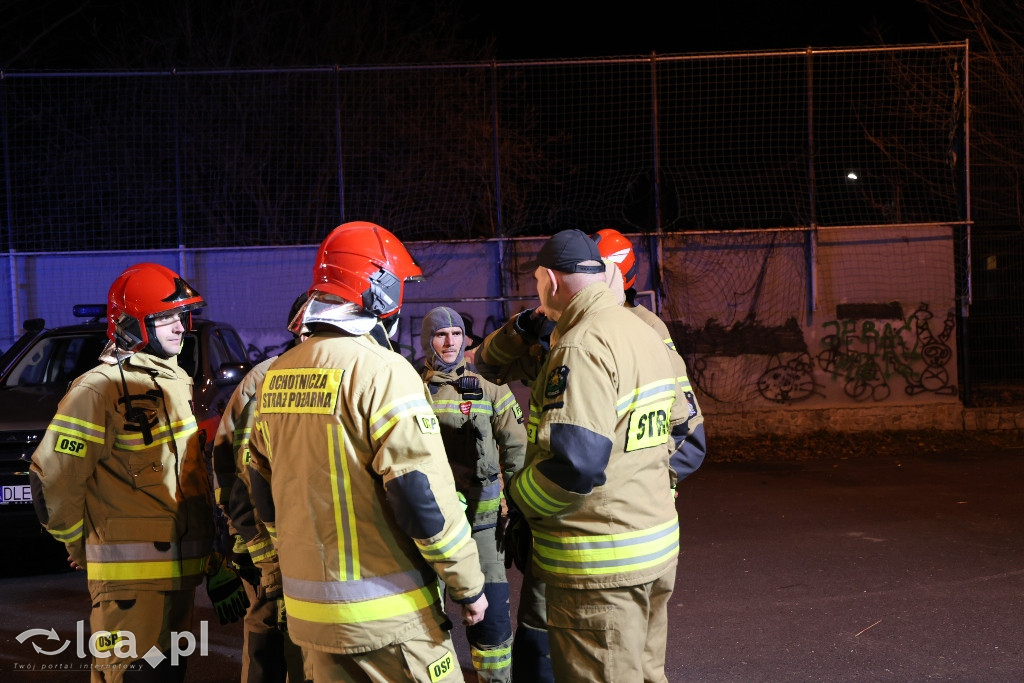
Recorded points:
(455,407)
(345,522)
(605,553)
(505,403)
(356,591)
(631,400)
(444,548)
(63,424)
(404,406)
(162,434)
(144,552)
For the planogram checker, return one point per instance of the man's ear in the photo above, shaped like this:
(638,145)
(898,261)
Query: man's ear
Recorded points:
(554,280)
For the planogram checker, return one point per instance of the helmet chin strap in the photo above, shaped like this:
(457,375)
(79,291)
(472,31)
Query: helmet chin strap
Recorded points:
(133,416)
(384,330)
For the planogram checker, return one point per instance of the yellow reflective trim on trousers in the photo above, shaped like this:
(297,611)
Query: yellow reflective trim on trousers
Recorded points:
(145,571)
(489,505)
(69,535)
(491,660)
(534,496)
(344,525)
(388,607)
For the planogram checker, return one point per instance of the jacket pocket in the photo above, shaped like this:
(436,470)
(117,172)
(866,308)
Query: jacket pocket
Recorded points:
(147,473)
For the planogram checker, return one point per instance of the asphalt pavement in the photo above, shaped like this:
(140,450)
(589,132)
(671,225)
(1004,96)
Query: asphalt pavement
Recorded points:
(906,568)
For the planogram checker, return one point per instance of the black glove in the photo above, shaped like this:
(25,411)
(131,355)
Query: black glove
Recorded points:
(224,586)
(531,326)
(282,616)
(515,540)
(241,562)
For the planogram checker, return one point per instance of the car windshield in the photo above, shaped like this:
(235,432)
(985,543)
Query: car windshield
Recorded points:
(57,359)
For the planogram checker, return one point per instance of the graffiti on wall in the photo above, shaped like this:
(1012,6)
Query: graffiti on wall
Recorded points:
(871,350)
(869,357)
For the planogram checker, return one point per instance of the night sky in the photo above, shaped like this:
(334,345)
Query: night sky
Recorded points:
(537,29)
(239,33)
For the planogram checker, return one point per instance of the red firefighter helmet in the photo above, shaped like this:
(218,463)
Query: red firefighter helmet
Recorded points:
(141,293)
(365,264)
(614,246)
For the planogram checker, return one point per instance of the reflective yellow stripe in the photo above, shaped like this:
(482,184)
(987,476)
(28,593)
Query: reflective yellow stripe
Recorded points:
(606,553)
(446,546)
(261,550)
(161,435)
(534,496)
(490,660)
(69,535)
(344,510)
(385,418)
(455,407)
(388,607)
(505,403)
(264,429)
(141,571)
(661,389)
(72,426)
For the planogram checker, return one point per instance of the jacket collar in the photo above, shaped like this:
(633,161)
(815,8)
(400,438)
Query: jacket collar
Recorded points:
(591,298)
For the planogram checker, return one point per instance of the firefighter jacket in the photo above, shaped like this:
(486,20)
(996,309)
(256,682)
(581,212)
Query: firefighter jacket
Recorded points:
(690,454)
(484,437)
(348,472)
(123,483)
(231,471)
(596,487)
(506,354)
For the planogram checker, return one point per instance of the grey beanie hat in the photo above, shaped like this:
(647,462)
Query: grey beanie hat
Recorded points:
(437,319)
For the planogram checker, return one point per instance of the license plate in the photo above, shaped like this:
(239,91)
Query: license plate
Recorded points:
(13,495)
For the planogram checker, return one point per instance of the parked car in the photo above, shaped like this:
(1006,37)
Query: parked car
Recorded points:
(37,370)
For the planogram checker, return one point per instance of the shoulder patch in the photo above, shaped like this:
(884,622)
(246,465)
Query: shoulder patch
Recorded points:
(428,424)
(70,446)
(558,380)
(691,403)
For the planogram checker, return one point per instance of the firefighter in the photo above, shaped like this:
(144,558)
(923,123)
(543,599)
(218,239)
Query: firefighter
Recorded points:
(484,437)
(349,474)
(615,247)
(606,415)
(268,654)
(121,479)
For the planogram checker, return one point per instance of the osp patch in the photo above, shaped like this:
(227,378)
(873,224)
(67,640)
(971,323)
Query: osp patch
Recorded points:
(558,379)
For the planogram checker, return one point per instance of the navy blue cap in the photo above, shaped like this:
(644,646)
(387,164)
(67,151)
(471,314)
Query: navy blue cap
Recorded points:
(566,251)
